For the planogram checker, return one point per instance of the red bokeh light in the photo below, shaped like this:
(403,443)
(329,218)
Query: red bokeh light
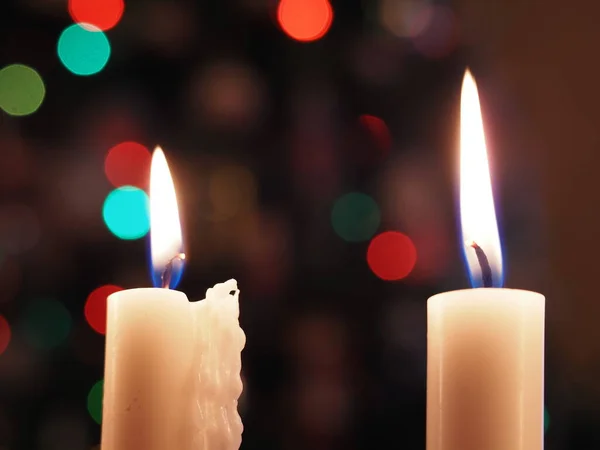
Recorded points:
(5,334)
(128,164)
(378,130)
(391,255)
(305,20)
(103,14)
(95,307)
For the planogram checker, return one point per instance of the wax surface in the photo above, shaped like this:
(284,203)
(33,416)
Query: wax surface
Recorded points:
(172,372)
(485,370)
(217,364)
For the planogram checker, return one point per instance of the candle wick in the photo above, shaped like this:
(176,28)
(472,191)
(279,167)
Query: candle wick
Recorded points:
(167,274)
(486,270)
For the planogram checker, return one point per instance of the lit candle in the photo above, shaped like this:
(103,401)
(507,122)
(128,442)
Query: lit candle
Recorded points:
(485,346)
(172,372)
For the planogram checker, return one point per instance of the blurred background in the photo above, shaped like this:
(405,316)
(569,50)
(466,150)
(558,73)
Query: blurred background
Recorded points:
(314,148)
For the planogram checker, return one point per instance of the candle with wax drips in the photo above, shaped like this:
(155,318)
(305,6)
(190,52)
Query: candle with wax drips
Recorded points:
(172,373)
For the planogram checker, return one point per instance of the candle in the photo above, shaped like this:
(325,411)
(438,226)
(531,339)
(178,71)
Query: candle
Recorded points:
(485,346)
(172,372)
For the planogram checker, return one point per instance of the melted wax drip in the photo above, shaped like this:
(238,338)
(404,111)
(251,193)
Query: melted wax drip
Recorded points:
(219,341)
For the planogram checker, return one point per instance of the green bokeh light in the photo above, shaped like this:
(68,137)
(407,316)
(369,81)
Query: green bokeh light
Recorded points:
(46,323)
(546,420)
(355,217)
(126,212)
(22,90)
(84,51)
(94,401)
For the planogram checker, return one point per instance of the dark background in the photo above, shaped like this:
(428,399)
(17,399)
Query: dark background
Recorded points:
(249,117)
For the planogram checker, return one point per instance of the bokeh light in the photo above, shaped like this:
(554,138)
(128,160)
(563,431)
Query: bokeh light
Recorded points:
(126,212)
(232,191)
(22,90)
(95,307)
(128,164)
(355,217)
(62,427)
(378,131)
(19,228)
(228,94)
(403,18)
(94,401)
(103,14)
(305,20)
(435,33)
(83,50)
(391,255)
(5,334)
(546,420)
(46,323)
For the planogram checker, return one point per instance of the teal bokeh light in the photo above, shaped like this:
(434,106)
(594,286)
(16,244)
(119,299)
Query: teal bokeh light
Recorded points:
(355,217)
(46,323)
(126,212)
(83,50)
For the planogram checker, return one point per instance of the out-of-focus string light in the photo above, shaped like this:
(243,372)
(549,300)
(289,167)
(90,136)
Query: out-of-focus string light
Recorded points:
(232,191)
(83,49)
(126,213)
(305,20)
(228,94)
(5,334)
(22,90)
(103,14)
(378,131)
(94,401)
(355,217)
(403,18)
(46,323)
(128,164)
(95,307)
(19,228)
(391,255)
(436,34)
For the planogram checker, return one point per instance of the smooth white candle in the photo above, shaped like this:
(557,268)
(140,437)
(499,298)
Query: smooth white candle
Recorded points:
(485,370)
(485,347)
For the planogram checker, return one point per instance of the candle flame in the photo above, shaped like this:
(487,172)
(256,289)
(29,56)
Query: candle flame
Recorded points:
(480,237)
(166,243)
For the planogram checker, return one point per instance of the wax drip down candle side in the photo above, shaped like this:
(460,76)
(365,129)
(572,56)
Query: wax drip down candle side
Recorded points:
(485,346)
(172,367)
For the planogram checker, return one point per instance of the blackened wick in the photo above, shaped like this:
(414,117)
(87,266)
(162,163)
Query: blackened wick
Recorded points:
(486,270)
(167,275)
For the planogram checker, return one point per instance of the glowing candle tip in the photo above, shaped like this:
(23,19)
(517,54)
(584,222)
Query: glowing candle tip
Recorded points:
(166,243)
(482,248)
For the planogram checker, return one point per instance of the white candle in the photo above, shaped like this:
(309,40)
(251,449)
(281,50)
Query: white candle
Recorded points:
(172,372)
(485,346)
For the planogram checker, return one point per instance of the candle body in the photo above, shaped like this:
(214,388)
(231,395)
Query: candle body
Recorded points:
(485,370)
(147,362)
(160,367)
